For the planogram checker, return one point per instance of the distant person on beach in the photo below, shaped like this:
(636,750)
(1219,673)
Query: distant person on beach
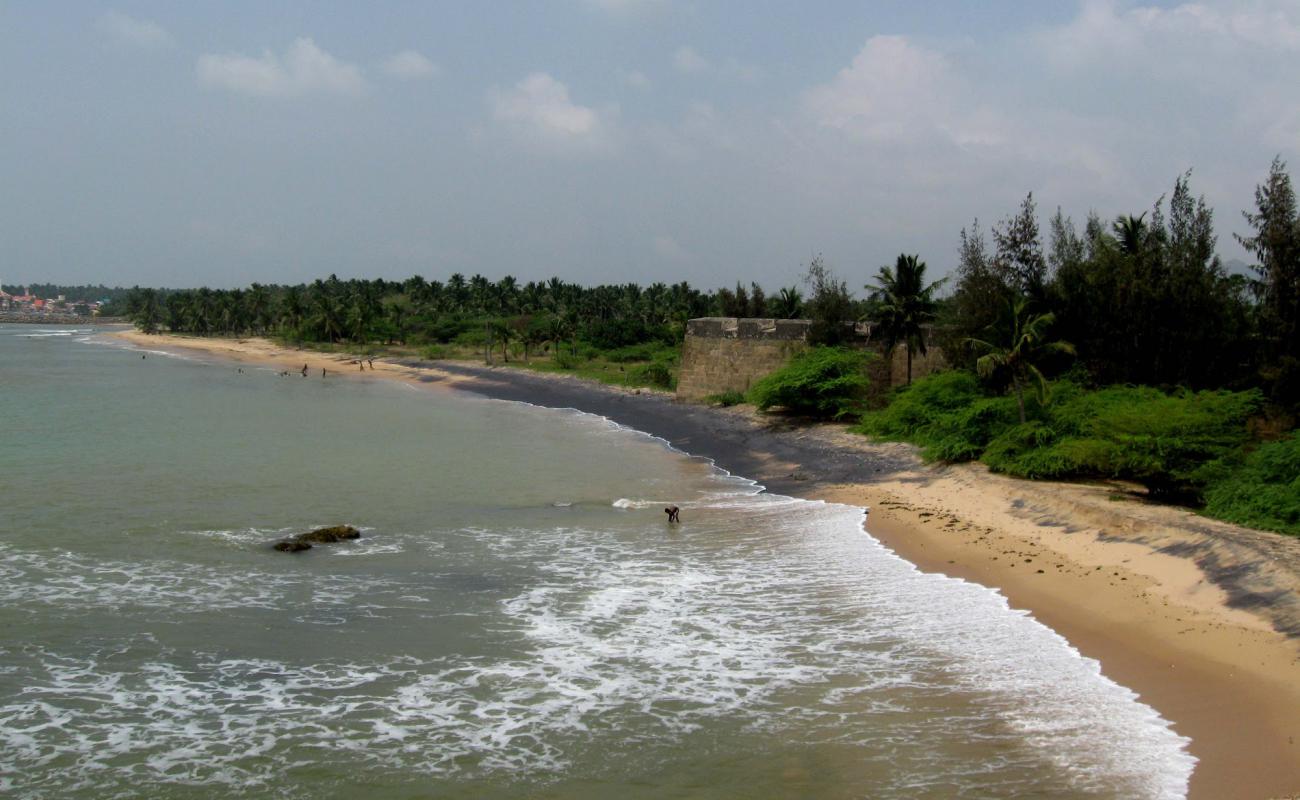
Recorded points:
(673,513)
(304,370)
(322,372)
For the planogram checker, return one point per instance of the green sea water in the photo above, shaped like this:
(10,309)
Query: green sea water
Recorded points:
(518,619)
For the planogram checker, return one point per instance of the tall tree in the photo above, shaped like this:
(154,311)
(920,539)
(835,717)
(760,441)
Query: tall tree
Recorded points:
(829,305)
(1065,249)
(975,301)
(1276,246)
(903,304)
(1018,258)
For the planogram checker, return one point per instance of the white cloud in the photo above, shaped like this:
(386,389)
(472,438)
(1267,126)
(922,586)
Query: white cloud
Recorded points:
(1103,29)
(1237,56)
(687,61)
(135,32)
(304,69)
(409,64)
(539,109)
(895,90)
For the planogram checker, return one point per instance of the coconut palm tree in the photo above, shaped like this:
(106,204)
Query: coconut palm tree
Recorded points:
(904,303)
(292,312)
(1130,233)
(1022,346)
(788,304)
(328,317)
(558,330)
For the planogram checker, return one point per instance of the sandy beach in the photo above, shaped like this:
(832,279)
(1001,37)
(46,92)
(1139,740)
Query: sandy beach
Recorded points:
(1200,618)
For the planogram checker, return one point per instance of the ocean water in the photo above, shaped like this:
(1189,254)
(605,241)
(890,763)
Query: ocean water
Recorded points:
(518,619)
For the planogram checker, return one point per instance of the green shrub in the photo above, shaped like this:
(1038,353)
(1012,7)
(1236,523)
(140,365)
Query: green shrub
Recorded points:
(564,359)
(434,352)
(471,337)
(1164,441)
(827,382)
(1261,490)
(445,330)
(1167,442)
(725,399)
(947,414)
(963,434)
(1035,450)
(656,373)
(912,408)
(634,352)
(1170,443)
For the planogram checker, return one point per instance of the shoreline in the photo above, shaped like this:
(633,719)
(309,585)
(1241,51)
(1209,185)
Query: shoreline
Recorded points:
(1200,618)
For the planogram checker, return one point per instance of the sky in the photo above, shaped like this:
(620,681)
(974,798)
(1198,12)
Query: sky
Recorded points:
(222,143)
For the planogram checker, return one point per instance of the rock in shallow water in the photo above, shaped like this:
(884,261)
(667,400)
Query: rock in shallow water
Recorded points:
(291,546)
(304,541)
(337,533)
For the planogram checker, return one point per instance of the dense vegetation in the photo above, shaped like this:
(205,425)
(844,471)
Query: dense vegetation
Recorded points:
(1126,351)
(623,334)
(824,382)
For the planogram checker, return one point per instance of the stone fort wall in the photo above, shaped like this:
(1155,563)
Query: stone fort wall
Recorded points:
(724,354)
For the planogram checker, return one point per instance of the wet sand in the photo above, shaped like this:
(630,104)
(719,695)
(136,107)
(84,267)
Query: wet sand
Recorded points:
(1200,618)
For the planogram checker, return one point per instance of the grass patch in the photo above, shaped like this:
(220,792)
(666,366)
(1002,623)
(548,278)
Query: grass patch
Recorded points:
(725,399)
(659,373)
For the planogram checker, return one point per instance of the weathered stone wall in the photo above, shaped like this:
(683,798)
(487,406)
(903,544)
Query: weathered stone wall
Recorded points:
(724,354)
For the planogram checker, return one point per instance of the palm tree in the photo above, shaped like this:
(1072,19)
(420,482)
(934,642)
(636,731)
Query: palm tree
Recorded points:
(360,315)
(789,303)
(504,333)
(1131,232)
(1024,345)
(904,304)
(259,307)
(328,318)
(291,311)
(558,330)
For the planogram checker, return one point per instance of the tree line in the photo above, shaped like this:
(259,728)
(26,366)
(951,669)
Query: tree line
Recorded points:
(419,311)
(1138,299)
(1135,299)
